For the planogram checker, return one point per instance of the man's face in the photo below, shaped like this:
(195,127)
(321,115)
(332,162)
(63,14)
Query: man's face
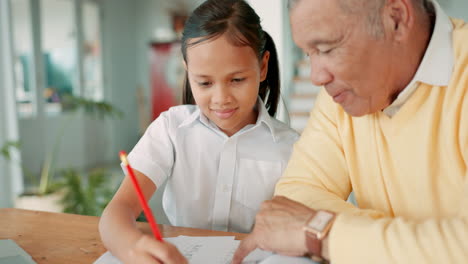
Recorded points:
(355,67)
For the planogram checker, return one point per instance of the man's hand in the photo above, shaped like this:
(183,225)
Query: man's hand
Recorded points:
(278,228)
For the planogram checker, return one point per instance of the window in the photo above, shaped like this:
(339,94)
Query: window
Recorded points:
(59,52)
(23,57)
(92,58)
(70,47)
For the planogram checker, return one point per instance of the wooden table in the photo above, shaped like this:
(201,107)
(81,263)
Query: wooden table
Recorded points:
(55,238)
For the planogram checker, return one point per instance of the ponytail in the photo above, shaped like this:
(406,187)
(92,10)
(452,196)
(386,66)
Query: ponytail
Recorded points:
(270,88)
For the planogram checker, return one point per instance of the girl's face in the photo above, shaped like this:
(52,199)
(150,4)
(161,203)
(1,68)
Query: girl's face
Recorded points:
(225,80)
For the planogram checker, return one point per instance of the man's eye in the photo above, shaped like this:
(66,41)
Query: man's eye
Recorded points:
(325,51)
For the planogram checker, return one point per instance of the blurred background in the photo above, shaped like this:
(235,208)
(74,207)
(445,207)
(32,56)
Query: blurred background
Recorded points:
(81,80)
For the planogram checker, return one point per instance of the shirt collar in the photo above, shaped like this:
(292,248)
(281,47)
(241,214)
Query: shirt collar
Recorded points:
(191,118)
(437,64)
(263,118)
(438,61)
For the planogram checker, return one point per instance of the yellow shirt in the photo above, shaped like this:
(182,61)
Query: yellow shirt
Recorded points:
(409,173)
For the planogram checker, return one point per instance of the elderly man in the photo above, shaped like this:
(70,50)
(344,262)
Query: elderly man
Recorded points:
(391,124)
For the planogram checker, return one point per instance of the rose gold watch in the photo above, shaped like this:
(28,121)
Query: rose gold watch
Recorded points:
(316,229)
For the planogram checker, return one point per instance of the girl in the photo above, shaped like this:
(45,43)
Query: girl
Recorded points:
(221,152)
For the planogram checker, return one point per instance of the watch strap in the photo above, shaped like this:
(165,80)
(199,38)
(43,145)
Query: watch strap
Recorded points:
(314,246)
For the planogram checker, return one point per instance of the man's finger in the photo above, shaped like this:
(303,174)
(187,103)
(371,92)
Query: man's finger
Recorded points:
(246,246)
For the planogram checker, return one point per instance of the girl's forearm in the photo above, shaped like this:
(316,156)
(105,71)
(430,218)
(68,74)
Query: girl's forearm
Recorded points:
(118,229)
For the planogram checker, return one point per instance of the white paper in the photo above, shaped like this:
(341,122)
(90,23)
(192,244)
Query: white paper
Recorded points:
(205,249)
(214,250)
(278,259)
(107,258)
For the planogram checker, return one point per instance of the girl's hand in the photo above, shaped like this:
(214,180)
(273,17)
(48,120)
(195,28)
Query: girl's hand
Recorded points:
(148,250)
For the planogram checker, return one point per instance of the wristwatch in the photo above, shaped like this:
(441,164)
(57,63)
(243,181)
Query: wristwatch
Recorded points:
(316,229)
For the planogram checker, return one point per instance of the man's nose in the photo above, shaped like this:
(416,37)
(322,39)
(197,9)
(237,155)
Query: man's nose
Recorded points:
(319,74)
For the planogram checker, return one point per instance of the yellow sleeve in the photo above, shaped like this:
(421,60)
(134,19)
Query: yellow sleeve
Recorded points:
(317,174)
(359,239)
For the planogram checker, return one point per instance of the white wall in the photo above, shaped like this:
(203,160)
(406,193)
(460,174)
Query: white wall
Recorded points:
(120,67)
(83,145)
(10,172)
(455,8)
(5,183)
(271,13)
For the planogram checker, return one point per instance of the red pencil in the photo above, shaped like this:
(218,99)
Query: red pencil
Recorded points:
(144,204)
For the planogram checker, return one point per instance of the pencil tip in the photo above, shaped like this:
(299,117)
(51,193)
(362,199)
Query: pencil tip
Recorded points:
(123,157)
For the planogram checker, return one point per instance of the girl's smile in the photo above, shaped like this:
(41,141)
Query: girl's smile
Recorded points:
(225,113)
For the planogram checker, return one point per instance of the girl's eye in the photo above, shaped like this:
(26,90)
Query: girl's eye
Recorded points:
(204,84)
(237,80)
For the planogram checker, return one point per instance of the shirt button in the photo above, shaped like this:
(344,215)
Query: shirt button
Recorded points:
(225,188)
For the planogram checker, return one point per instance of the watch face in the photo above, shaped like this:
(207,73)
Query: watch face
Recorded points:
(320,220)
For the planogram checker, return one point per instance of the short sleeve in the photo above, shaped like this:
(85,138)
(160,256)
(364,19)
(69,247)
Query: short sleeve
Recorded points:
(153,155)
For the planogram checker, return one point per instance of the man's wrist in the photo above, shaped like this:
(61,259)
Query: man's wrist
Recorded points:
(316,231)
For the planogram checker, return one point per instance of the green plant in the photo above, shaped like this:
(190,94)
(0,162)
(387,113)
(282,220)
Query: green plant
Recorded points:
(6,149)
(85,194)
(6,153)
(100,110)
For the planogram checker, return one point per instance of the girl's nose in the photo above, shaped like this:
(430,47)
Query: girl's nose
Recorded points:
(221,95)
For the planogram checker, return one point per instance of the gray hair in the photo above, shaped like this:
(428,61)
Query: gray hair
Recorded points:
(371,9)
(424,4)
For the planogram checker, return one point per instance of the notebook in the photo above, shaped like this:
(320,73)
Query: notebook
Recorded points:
(11,253)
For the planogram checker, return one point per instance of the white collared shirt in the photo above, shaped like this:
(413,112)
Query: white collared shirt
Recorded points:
(437,64)
(213,181)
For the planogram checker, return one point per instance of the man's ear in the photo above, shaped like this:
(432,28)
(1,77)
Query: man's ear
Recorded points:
(399,18)
(264,66)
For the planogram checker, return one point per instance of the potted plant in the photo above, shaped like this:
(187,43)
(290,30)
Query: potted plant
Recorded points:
(72,190)
(85,194)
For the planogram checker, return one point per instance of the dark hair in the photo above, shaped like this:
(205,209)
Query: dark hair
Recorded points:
(235,17)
